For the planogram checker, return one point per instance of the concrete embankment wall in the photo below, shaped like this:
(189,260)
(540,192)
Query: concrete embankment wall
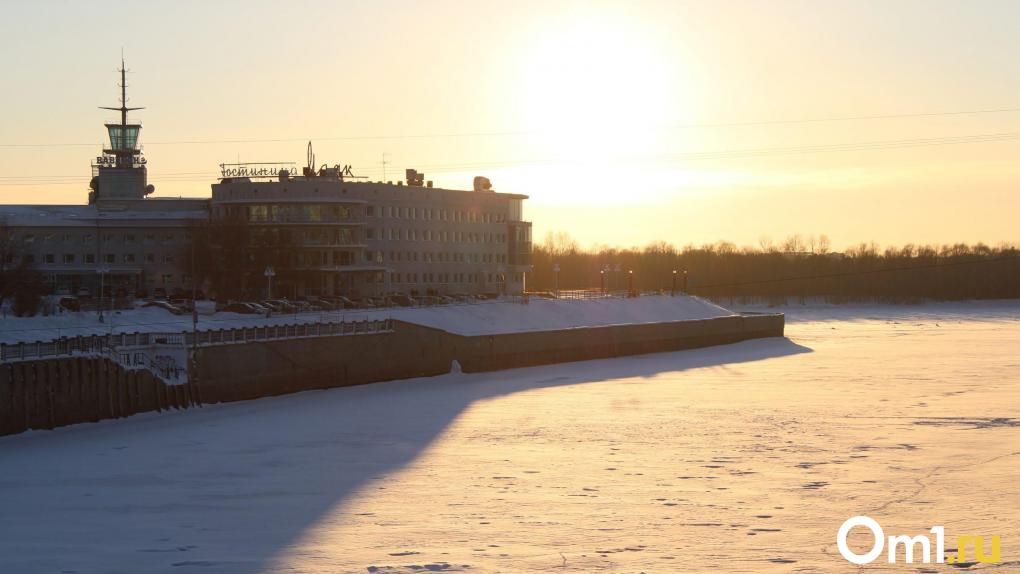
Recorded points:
(56,392)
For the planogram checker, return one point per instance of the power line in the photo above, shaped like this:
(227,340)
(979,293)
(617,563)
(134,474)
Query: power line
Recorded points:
(879,145)
(440,135)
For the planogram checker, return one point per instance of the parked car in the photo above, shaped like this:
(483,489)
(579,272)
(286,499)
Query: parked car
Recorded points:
(238,307)
(301,306)
(70,303)
(167,306)
(321,305)
(344,302)
(84,293)
(402,300)
(284,305)
(259,308)
(276,306)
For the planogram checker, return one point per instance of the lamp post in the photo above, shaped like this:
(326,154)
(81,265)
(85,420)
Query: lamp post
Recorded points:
(630,283)
(602,281)
(102,283)
(685,282)
(269,273)
(672,291)
(618,269)
(556,271)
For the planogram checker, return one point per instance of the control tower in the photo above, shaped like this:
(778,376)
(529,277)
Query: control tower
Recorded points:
(120,172)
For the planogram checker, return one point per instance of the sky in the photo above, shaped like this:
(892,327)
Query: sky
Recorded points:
(625,122)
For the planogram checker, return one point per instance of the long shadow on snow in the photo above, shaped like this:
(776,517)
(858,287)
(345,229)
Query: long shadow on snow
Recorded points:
(229,488)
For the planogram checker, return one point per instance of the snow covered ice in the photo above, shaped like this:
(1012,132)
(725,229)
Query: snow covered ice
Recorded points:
(741,458)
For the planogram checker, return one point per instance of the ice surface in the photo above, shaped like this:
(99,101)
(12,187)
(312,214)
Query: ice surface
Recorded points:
(742,458)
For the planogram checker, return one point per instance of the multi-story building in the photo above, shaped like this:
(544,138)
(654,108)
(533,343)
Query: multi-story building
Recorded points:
(320,232)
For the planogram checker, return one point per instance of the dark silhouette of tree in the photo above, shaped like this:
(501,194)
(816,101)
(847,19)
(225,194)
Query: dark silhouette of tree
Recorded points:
(796,268)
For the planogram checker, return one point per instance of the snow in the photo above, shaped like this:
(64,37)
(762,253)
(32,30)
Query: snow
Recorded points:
(57,216)
(738,458)
(481,318)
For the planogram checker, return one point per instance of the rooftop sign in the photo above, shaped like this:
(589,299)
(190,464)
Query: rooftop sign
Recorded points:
(264,169)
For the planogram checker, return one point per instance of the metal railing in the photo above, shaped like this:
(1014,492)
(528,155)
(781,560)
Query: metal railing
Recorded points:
(103,344)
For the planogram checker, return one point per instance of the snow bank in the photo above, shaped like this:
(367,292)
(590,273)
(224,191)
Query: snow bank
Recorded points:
(548,314)
(481,318)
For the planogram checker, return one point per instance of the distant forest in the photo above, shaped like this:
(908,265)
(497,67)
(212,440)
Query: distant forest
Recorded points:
(795,269)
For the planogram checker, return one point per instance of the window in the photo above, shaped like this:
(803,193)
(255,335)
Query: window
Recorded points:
(370,211)
(110,258)
(90,258)
(129,258)
(68,258)
(150,257)
(167,278)
(50,258)
(88,238)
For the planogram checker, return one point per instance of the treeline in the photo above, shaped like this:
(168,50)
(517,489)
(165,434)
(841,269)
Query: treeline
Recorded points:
(795,268)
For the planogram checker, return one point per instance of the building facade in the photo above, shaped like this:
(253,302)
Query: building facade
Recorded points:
(320,232)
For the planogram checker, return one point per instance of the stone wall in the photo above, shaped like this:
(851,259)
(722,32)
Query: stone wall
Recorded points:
(56,392)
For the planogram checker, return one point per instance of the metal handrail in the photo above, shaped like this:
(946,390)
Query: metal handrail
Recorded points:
(102,344)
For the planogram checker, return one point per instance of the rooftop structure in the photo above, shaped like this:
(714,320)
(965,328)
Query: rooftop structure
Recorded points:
(318,232)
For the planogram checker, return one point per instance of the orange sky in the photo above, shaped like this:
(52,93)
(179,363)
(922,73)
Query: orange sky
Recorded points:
(623,121)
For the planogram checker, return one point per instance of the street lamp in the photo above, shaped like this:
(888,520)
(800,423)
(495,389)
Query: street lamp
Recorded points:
(269,273)
(102,275)
(685,282)
(556,270)
(618,269)
(602,281)
(672,290)
(630,283)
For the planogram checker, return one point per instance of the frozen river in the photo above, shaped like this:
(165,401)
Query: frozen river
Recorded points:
(743,458)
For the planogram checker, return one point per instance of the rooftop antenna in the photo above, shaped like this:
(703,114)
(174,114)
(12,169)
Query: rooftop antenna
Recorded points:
(123,109)
(384,164)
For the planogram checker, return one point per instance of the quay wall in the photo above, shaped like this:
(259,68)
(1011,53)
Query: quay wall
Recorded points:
(49,393)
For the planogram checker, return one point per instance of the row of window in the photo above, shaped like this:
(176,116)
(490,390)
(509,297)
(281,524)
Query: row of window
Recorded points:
(465,278)
(440,235)
(295,213)
(90,238)
(72,258)
(437,257)
(434,214)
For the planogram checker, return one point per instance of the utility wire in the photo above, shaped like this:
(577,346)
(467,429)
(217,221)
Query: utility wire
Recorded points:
(879,145)
(531,132)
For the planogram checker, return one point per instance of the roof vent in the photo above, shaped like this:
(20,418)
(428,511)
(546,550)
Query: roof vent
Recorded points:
(414,178)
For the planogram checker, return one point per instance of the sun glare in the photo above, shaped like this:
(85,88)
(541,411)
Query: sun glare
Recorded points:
(595,95)
(596,89)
